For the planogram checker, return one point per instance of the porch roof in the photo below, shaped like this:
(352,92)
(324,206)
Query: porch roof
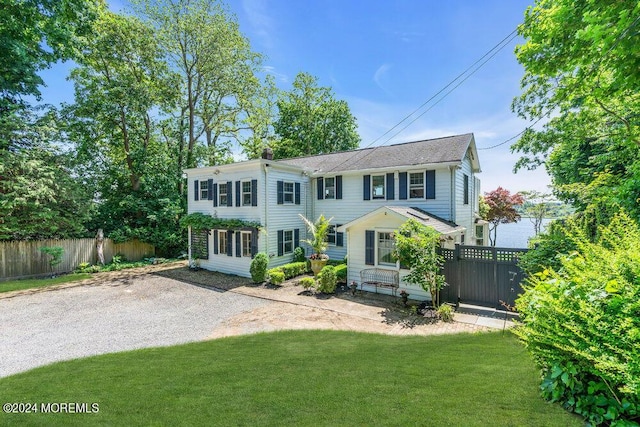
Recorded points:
(442,226)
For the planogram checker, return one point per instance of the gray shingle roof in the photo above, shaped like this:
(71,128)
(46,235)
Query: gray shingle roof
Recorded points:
(440,225)
(431,151)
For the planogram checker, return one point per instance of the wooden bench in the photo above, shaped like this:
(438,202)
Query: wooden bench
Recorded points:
(379,277)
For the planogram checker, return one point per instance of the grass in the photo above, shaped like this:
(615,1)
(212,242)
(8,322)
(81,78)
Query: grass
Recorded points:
(17,285)
(310,378)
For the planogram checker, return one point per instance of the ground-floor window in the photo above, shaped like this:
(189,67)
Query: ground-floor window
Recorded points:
(246,243)
(223,243)
(386,244)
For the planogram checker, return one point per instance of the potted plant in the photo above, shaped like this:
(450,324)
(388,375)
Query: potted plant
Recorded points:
(318,231)
(405,297)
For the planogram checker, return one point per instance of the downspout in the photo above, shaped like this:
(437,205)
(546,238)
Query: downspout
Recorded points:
(265,168)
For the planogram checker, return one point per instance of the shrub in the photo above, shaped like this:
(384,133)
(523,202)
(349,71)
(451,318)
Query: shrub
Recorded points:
(341,273)
(294,269)
(276,276)
(548,248)
(582,326)
(299,255)
(307,282)
(327,280)
(258,268)
(55,252)
(445,312)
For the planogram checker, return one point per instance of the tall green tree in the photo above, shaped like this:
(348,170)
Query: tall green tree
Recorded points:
(312,121)
(582,73)
(40,196)
(33,35)
(217,76)
(122,88)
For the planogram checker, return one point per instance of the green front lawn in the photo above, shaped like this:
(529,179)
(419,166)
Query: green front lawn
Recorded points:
(310,378)
(16,285)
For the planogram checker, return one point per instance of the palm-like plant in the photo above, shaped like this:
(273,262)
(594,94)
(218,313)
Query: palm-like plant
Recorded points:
(318,230)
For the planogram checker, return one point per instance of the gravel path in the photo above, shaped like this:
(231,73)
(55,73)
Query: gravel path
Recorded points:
(123,314)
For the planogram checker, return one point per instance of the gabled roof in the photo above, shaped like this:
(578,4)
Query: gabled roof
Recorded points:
(440,225)
(450,149)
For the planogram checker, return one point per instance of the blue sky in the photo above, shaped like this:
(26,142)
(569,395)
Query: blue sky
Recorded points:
(386,58)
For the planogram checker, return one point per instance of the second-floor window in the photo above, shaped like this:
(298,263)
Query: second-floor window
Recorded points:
(222,194)
(377,187)
(329,188)
(416,185)
(246,193)
(288,192)
(204,190)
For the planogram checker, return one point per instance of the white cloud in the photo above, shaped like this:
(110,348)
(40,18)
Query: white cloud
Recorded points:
(263,25)
(283,78)
(380,74)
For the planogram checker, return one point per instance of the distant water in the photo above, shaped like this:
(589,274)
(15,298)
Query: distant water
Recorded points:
(517,234)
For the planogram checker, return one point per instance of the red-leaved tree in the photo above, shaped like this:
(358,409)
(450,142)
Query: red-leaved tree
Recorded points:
(501,210)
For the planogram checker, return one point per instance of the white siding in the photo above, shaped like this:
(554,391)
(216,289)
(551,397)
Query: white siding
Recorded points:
(465,212)
(356,254)
(284,216)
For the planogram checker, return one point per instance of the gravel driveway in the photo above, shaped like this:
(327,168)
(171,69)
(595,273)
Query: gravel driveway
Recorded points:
(124,314)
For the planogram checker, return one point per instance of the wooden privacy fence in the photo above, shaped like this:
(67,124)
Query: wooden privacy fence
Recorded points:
(482,275)
(22,259)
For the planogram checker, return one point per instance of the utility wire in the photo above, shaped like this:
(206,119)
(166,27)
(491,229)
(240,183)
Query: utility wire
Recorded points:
(468,72)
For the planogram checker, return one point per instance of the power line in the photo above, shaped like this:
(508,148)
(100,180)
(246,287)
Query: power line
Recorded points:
(472,69)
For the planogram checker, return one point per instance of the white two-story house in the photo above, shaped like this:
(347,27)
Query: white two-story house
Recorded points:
(368,193)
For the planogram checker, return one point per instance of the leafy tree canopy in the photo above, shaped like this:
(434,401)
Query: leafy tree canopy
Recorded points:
(312,121)
(582,69)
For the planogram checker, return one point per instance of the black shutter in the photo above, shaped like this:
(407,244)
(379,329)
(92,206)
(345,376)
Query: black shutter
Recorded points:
(254,192)
(280,192)
(196,190)
(254,242)
(210,189)
(339,237)
(339,187)
(297,194)
(238,243)
(229,193)
(296,238)
(366,187)
(403,186)
(320,188)
(215,195)
(280,242)
(215,242)
(369,247)
(229,243)
(431,185)
(390,187)
(238,194)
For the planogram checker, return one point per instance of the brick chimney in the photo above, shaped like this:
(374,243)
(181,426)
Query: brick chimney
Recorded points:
(267,153)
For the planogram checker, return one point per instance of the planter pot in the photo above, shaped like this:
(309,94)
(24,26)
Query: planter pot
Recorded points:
(317,265)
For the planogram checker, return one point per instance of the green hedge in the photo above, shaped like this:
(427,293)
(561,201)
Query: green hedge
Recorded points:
(582,325)
(341,273)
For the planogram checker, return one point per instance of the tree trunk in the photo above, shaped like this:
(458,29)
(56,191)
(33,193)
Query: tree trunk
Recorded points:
(100,245)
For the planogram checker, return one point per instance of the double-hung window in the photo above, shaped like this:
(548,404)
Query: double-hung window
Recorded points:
(386,244)
(416,185)
(222,242)
(287,192)
(246,193)
(222,194)
(330,188)
(204,190)
(331,235)
(287,241)
(246,243)
(377,187)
